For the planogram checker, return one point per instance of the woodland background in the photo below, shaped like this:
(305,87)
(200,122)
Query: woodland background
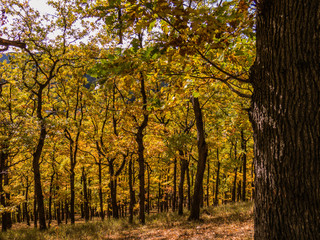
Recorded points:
(122,108)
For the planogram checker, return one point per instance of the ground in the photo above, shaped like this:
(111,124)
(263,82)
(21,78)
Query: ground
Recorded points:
(232,221)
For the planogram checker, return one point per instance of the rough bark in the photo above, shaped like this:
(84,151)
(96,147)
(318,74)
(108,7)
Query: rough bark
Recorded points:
(285,116)
(202,158)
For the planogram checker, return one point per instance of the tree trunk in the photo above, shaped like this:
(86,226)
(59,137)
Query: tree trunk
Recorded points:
(244,165)
(216,200)
(174,199)
(6,217)
(50,198)
(148,193)
(285,118)
(25,204)
(85,196)
(202,155)
(72,193)
(139,140)
(183,164)
(234,188)
(189,186)
(132,195)
(100,189)
(36,161)
(208,182)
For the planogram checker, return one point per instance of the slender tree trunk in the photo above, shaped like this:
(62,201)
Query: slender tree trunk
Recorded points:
(132,195)
(148,193)
(72,193)
(6,217)
(139,140)
(189,186)
(50,198)
(36,161)
(27,216)
(285,118)
(183,164)
(208,182)
(202,153)
(234,188)
(174,200)
(239,187)
(100,189)
(159,194)
(85,196)
(244,165)
(216,200)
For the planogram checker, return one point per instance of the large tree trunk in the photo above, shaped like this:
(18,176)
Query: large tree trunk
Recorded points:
(202,158)
(285,115)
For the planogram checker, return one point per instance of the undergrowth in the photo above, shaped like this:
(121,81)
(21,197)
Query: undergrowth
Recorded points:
(98,230)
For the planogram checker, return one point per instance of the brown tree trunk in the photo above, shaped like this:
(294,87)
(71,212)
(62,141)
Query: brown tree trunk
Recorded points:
(183,164)
(208,182)
(6,217)
(36,161)
(234,188)
(189,186)
(202,158)
(132,195)
(285,118)
(100,188)
(244,165)
(113,190)
(50,198)
(85,195)
(72,192)
(174,199)
(139,140)
(216,200)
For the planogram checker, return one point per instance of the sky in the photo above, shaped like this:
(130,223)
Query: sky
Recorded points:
(41,6)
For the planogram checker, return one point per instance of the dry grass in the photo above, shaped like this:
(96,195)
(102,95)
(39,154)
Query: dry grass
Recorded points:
(233,221)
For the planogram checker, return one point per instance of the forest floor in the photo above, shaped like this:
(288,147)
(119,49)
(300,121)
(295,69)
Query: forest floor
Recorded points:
(231,221)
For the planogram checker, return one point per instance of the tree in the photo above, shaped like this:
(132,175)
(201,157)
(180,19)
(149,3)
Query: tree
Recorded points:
(285,119)
(202,158)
